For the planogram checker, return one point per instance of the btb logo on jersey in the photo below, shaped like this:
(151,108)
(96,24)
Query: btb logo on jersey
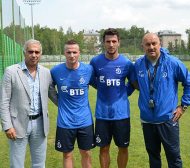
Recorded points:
(113,82)
(110,82)
(72,92)
(76,92)
(64,88)
(102,79)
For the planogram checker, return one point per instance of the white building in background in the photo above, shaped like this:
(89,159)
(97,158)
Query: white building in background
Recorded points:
(91,33)
(167,36)
(88,35)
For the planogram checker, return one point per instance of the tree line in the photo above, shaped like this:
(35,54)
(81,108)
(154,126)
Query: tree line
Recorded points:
(53,40)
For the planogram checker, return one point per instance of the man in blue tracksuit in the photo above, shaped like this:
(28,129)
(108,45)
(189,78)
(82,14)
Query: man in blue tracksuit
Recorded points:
(158,75)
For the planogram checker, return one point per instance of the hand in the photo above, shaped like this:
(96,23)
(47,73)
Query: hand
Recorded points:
(178,113)
(11,134)
(136,85)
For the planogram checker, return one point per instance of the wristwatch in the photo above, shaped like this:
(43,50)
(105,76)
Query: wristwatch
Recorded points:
(184,107)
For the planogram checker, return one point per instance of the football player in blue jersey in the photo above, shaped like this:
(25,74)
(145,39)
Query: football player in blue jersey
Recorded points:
(112,106)
(74,119)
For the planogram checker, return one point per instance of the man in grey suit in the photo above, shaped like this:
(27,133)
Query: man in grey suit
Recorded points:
(24,114)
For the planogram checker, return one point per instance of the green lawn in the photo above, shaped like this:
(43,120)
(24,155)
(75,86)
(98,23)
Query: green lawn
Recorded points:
(138,157)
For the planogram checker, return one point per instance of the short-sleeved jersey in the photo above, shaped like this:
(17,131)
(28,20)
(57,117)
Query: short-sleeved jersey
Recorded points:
(73,105)
(112,101)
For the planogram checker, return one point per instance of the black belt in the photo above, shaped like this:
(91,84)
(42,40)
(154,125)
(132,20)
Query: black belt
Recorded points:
(33,117)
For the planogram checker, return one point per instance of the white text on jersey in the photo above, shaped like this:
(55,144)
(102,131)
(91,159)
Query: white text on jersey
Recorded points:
(76,92)
(113,82)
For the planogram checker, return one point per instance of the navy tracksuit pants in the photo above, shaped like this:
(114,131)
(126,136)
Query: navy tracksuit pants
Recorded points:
(167,134)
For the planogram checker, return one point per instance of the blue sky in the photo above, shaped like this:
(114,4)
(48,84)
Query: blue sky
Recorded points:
(97,14)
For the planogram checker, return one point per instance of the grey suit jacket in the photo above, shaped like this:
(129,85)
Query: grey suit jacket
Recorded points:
(15,99)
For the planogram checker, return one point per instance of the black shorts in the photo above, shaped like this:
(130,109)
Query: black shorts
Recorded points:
(119,129)
(65,138)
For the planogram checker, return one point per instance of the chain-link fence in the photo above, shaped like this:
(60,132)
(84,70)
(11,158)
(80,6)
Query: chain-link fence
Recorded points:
(51,60)
(57,59)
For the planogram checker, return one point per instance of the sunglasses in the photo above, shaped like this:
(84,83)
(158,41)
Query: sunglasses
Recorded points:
(31,52)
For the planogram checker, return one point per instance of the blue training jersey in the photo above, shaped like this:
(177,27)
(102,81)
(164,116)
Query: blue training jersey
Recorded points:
(73,105)
(112,101)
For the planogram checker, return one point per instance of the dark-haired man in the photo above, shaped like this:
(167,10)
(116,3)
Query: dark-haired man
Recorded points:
(112,106)
(74,119)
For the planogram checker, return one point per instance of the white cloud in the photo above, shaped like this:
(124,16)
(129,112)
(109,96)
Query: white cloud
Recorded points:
(70,22)
(124,14)
(90,14)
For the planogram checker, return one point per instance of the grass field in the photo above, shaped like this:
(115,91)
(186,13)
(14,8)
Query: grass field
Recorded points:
(138,157)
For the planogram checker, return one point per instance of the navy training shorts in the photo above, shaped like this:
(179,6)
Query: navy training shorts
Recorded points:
(119,129)
(65,138)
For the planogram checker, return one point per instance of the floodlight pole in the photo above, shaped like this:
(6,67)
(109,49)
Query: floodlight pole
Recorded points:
(32,2)
(32,20)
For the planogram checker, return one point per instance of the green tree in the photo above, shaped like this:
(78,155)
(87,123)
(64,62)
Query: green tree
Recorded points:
(176,47)
(188,43)
(170,47)
(53,40)
(135,32)
(50,38)
(101,46)
(61,40)
(80,40)
(91,46)
(131,37)
(9,31)
(72,35)
(183,49)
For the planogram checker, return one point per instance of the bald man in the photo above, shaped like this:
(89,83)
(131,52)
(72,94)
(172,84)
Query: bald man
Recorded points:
(158,74)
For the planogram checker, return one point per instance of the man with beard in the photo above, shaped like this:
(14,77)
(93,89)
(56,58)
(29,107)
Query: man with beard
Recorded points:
(112,106)
(158,75)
